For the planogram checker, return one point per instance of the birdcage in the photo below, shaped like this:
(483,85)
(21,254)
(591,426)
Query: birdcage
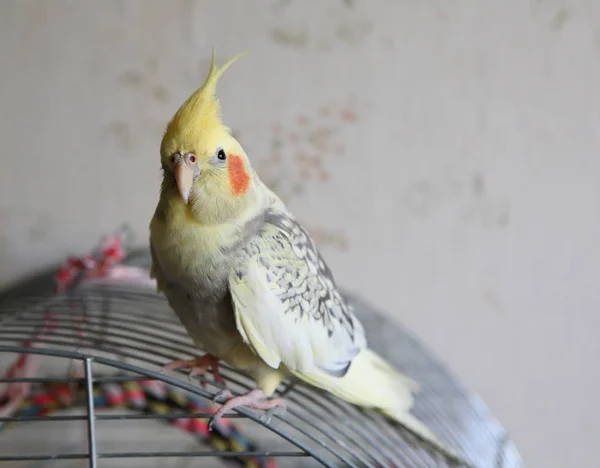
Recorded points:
(83,349)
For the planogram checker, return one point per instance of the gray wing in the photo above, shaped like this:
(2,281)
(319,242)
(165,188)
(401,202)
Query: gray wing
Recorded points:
(288,307)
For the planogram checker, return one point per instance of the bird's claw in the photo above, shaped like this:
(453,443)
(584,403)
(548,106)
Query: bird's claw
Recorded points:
(268,415)
(200,379)
(255,399)
(212,421)
(198,367)
(223,394)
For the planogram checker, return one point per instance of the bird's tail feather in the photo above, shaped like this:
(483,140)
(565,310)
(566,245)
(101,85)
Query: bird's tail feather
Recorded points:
(372,383)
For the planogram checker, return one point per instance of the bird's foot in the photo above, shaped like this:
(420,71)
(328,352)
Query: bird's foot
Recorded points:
(198,366)
(255,399)
(222,395)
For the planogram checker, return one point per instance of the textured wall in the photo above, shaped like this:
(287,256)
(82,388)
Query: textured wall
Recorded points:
(445,155)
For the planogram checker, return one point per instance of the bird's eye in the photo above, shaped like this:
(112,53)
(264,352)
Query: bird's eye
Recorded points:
(192,158)
(221,155)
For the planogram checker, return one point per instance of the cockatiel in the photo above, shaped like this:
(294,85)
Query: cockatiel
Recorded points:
(247,281)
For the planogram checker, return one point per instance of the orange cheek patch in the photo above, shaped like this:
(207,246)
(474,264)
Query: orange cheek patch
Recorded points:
(238,177)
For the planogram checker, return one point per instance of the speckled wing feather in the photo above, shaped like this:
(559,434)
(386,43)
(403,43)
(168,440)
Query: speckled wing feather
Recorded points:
(288,308)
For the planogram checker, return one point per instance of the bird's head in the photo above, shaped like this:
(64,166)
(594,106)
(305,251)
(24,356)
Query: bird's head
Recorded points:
(204,166)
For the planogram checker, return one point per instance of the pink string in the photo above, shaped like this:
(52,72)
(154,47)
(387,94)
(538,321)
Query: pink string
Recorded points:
(88,268)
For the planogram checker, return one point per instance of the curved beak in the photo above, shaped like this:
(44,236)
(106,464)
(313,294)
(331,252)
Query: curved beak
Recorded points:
(184,177)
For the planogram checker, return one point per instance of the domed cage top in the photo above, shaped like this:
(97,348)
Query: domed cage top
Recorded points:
(106,338)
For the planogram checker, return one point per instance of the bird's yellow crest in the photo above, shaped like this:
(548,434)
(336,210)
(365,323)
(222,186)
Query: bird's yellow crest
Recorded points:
(199,113)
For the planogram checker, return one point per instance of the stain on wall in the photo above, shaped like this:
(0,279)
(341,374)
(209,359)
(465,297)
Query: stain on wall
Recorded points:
(143,89)
(561,18)
(423,198)
(132,78)
(41,228)
(160,93)
(350,26)
(493,300)
(290,36)
(23,229)
(119,133)
(478,185)
(303,152)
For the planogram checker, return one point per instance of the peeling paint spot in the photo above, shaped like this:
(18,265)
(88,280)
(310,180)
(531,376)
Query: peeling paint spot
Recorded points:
(284,37)
(121,133)
(40,229)
(345,27)
(348,115)
(131,78)
(276,143)
(419,198)
(387,43)
(492,299)
(303,121)
(561,18)
(299,155)
(304,173)
(489,214)
(352,33)
(320,137)
(280,5)
(504,218)
(478,185)
(160,93)
(152,64)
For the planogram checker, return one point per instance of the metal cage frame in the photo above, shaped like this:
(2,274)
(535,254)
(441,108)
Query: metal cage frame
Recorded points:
(122,333)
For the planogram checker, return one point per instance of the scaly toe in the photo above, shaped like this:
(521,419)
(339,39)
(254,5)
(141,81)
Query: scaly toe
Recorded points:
(211,423)
(223,394)
(267,416)
(199,370)
(173,365)
(217,379)
(278,410)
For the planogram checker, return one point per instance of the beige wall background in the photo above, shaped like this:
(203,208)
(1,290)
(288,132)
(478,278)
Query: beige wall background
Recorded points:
(444,154)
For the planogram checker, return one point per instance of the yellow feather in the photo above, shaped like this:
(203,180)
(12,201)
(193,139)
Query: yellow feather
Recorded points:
(198,115)
(372,383)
